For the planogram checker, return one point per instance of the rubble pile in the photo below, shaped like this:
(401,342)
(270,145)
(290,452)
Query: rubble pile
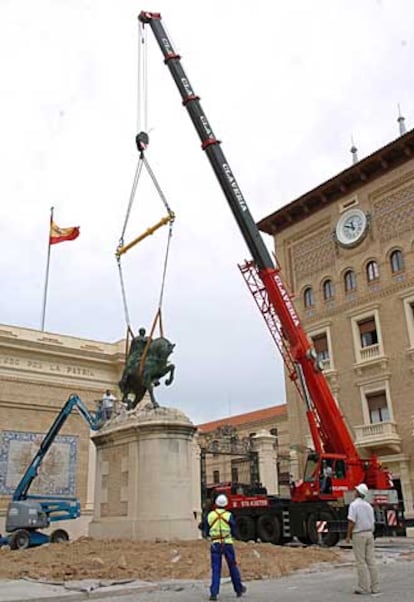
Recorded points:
(87,558)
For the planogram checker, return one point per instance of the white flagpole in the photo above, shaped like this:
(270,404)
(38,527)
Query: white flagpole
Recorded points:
(47,272)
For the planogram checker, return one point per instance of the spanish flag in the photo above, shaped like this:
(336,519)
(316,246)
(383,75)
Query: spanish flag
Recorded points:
(61,234)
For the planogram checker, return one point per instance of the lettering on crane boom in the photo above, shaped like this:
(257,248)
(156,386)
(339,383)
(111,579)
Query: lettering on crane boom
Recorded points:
(186,86)
(236,189)
(167,46)
(206,126)
(249,503)
(287,300)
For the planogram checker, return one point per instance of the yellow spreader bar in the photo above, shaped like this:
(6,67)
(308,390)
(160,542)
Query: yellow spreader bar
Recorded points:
(165,220)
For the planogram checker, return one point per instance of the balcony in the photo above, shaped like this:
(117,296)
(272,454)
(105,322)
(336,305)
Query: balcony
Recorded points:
(369,353)
(325,359)
(379,435)
(367,357)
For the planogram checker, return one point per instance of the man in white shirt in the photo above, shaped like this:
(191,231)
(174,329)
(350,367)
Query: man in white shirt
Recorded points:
(361,525)
(107,404)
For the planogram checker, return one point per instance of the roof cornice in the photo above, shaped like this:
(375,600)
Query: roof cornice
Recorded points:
(347,182)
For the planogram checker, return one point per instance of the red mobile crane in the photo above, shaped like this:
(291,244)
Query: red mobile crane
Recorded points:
(334,447)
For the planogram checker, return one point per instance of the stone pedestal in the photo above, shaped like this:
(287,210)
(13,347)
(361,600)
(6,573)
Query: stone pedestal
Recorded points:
(145,472)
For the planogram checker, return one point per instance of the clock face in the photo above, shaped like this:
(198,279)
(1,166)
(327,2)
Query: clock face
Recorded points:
(351,227)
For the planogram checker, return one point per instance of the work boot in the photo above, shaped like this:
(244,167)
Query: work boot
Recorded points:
(242,591)
(213,597)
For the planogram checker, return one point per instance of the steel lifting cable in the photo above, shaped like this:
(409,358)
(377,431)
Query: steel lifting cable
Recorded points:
(121,240)
(142,80)
(131,197)
(142,92)
(158,315)
(142,142)
(122,248)
(157,186)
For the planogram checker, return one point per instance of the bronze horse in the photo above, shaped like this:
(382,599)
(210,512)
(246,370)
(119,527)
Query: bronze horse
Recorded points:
(156,366)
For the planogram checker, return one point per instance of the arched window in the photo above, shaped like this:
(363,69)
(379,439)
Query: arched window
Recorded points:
(397,261)
(308,297)
(349,281)
(328,290)
(372,271)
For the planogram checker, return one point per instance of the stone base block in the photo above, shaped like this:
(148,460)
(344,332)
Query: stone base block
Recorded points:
(147,473)
(154,530)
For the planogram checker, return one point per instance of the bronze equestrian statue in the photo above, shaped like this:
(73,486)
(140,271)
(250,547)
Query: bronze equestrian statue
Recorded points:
(138,379)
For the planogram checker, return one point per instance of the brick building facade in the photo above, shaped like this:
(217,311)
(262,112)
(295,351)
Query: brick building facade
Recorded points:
(346,250)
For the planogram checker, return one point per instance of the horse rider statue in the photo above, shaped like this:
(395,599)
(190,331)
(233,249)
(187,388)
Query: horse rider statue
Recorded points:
(137,378)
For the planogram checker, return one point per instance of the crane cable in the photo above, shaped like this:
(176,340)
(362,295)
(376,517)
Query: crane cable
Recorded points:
(142,141)
(121,243)
(142,80)
(122,248)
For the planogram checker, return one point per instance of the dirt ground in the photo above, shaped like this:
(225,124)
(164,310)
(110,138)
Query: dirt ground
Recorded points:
(87,558)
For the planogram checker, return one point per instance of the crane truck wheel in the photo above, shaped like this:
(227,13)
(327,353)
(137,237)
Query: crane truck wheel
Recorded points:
(20,539)
(59,536)
(328,539)
(246,529)
(268,529)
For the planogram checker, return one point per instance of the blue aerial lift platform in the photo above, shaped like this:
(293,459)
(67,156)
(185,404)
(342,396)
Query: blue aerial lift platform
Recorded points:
(26,514)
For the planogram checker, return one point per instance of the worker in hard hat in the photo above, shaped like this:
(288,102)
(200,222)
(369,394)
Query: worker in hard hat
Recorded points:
(361,526)
(221,529)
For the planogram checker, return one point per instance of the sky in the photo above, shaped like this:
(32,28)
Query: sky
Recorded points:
(285,86)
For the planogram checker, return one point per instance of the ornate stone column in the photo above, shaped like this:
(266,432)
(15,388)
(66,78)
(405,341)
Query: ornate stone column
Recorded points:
(406,488)
(294,464)
(144,478)
(264,445)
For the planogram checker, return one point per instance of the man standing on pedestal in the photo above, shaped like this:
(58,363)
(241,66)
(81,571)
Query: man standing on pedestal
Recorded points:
(107,404)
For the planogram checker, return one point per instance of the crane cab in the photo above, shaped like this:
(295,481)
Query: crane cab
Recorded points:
(325,478)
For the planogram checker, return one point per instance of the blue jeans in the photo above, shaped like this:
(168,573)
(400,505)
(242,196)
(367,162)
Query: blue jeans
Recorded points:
(107,413)
(217,551)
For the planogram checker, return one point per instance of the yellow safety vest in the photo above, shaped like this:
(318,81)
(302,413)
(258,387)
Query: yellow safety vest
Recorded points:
(219,523)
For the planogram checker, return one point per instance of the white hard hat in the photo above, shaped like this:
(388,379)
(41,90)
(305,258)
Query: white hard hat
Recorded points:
(362,489)
(221,500)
